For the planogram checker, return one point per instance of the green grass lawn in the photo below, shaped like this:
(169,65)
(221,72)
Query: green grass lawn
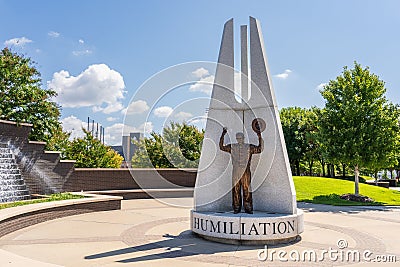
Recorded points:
(327,191)
(53,197)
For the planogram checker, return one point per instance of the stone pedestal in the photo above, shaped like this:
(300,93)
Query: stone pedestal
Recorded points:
(249,229)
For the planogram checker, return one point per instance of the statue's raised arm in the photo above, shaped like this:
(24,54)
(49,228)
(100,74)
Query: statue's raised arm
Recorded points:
(226,148)
(258,149)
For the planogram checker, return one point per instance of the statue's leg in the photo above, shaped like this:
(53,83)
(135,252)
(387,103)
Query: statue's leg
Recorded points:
(247,194)
(236,194)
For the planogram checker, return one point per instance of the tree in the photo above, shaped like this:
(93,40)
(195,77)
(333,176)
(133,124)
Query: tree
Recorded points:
(358,125)
(59,141)
(292,119)
(312,152)
(89,152)
(299,128)
(178,146)
(22,99)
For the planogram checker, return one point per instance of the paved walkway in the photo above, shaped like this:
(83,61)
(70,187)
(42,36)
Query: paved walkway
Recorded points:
(149,233)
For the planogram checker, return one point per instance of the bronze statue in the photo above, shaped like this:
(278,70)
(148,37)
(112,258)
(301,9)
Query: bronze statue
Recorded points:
(241,154)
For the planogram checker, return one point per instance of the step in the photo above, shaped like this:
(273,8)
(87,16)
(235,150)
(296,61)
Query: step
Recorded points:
(8,166)
(14,193)
(9,171)
(14,198)
(5,150)
(147,193)
(10,176)
(11,182)
(4,188)
(7,160)
(3,145)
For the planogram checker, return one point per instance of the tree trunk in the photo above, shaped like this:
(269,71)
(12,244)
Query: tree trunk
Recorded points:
(292,168)
(323,168)
(343,170)
(328,168)
(310,165)
(356,185)
(333,170)
(298,167)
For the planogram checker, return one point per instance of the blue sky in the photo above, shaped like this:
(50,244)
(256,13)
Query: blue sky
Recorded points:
(105,50)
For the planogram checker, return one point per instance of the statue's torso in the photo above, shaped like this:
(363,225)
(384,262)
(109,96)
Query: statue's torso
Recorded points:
(241,155)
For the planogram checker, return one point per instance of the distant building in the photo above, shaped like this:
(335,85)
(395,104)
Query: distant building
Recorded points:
(128,146)
(118,149)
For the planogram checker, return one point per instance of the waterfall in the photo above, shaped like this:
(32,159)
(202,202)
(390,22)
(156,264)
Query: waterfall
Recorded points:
(12,186)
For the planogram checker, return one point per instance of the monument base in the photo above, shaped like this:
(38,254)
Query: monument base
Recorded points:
(251,242)
(259,228)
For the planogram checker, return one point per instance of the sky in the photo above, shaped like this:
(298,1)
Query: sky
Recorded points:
(101,56)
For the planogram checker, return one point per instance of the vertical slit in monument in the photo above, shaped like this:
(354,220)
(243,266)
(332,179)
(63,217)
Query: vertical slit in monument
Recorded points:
(244,67)
(236,72)
(248,69)
(244,64)
(243,121)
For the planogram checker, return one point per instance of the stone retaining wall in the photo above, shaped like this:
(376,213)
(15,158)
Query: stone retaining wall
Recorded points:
(13,219)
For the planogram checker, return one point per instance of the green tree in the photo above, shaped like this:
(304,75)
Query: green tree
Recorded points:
(299,128)
(23,100)
(312,152)
(178,146)
(59,141)
(358,125)
(89,152)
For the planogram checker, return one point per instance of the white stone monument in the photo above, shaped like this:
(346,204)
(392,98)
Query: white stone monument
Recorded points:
(276,218)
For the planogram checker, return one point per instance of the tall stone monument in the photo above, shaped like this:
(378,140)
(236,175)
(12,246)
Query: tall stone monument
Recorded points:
(270,212)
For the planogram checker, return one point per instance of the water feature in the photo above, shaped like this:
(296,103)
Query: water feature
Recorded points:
(12,186)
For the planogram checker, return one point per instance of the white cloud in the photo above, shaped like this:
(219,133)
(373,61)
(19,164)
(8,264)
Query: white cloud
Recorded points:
(117,106)
(136,107)
(74,125)
(113,134)
(321,86)
(21,41)
(98,87)
(111,119)
(284,75)
(199,122)
(81,41)
(200,73)
(204,85)
(163,112)
(182,115)
(82,52)
(53,34)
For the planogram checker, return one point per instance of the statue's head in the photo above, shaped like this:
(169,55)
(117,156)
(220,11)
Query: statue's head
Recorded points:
(240,137)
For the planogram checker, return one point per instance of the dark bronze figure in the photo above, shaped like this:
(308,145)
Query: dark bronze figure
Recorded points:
(241,154)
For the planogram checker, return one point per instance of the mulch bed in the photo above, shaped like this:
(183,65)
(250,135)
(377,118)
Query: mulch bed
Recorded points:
(357,198)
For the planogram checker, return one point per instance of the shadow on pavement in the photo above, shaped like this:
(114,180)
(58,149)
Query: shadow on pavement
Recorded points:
(185,244)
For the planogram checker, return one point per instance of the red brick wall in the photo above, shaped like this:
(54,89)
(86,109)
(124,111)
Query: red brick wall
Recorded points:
(45,173)
(119,179)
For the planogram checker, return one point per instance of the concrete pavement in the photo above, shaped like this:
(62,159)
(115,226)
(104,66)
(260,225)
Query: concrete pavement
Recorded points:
(146,232)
